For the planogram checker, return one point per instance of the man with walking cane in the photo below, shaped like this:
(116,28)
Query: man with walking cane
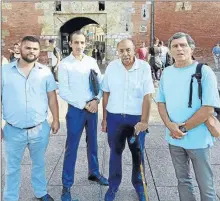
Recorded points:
(127,87)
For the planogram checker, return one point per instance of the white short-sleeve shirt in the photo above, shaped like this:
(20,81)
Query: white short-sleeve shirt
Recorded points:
(127,87)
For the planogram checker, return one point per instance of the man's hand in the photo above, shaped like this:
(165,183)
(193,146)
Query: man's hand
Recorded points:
(104,126)
(92,106)
(175,132)
(55,126)
(140,127)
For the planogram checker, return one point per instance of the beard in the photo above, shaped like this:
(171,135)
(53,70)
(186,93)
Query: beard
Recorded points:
(29,60)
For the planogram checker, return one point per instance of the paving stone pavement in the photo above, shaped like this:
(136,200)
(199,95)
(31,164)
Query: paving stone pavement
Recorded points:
(160,176)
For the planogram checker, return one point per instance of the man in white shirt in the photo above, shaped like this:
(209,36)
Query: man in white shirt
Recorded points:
(74,88)
(127,87)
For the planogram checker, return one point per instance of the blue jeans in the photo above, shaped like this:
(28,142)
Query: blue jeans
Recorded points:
(15,142)
(76,120)
(114,121)
(200,159)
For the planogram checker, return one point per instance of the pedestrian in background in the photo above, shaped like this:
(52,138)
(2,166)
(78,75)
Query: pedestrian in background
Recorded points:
(15,53)
(216,55)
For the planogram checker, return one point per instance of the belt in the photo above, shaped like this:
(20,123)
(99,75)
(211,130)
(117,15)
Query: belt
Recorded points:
(28,128)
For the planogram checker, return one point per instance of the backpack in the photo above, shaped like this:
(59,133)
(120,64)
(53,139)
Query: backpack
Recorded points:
(198,76)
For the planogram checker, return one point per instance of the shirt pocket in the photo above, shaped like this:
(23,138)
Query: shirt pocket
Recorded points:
(136,89)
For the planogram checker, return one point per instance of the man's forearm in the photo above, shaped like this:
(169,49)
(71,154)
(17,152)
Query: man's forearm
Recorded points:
(146,106)
(163,114)
(199,117)
(104,104)
(53,105)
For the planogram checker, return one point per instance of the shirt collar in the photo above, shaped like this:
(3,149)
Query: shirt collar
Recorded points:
(74,58)
(15,64)
(135,65)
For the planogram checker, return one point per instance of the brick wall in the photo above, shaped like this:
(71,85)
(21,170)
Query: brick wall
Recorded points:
(19,19)
(200,20)
(139,37)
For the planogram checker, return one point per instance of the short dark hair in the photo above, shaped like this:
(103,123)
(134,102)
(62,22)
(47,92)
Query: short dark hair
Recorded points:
(31,39)
(78,32)
(16,44)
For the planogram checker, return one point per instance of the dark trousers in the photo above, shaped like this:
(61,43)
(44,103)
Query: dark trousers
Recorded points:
(76,120)
(114,121)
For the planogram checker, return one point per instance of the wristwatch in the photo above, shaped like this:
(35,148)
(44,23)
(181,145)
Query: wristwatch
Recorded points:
(95,98)
(183,128)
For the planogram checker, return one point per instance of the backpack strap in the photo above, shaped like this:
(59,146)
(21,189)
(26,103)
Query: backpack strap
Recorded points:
(198,76)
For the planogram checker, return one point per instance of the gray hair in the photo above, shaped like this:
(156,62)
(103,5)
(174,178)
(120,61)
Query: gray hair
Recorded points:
(178,35)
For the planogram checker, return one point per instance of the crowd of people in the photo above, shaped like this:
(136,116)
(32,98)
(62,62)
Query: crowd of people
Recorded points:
(158,56)
(126,92)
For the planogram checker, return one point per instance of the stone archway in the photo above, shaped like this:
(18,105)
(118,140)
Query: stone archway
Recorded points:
(68,23)
(71,26)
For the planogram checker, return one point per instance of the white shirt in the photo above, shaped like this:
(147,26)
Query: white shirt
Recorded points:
(73,78)
(127,87)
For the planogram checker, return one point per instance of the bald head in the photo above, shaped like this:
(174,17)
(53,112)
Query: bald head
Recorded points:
(127,42)
(126,52)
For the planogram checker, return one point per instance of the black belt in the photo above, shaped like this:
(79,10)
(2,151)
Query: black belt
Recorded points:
(28,128)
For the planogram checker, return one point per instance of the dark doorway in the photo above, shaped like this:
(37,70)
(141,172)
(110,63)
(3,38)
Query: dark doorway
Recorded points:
(68,28)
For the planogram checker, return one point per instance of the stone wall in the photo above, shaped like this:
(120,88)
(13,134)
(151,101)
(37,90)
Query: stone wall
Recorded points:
(119,20)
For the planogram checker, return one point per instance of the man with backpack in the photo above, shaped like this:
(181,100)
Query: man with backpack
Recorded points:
(184,109)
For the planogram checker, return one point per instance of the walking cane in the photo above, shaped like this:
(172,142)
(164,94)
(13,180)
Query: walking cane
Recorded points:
(133,138)
(143,179)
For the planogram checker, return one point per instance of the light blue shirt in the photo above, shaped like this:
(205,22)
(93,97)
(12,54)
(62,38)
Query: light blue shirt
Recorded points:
(74,80)
(174,92)
(127,87)
(24,100)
